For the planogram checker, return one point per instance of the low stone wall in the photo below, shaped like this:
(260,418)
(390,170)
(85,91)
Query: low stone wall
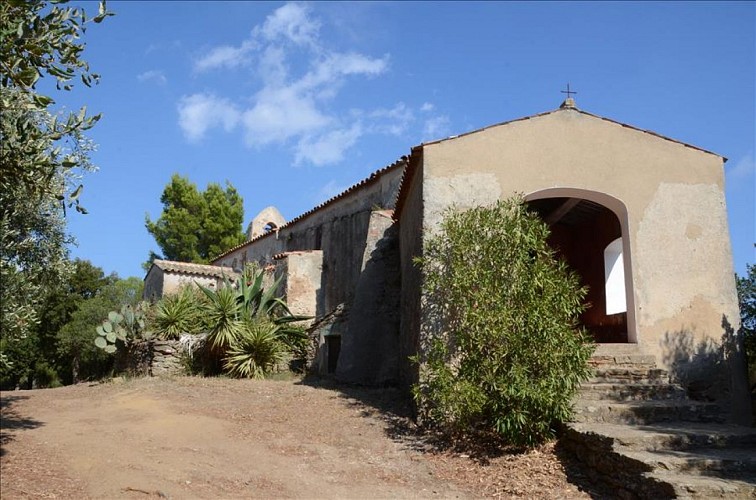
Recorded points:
(166,358)
(151,358)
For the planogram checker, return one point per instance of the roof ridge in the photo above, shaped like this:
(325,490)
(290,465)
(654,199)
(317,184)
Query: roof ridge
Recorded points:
(409,171)
(367,180)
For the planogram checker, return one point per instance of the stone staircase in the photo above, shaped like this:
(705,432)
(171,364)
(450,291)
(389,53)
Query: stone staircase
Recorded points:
(642,437)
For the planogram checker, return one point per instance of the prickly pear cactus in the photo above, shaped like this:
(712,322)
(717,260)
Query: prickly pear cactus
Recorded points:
(122,327)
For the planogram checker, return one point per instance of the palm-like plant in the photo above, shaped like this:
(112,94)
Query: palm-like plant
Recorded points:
(178,313)
(248,318)
(256,351)
(223,314)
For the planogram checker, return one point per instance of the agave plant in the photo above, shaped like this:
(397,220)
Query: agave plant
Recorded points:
(256,351)
(259,303)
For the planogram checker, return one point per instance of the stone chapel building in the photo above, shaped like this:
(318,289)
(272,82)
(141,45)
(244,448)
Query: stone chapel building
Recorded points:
(640,217)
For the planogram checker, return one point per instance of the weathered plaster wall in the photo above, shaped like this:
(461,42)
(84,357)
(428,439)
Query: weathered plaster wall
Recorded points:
(410,246)
(300,274)
(346,234)
(676,218)
(370,345)
(173,282)
(339,229)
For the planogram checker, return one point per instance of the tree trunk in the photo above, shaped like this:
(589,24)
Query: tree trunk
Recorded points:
(75,369)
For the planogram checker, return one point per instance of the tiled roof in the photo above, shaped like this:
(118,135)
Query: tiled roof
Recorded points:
(198,269)
(412,161)
(364,182)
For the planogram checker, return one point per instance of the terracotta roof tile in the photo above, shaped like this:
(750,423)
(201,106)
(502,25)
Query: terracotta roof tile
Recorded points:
(198,269)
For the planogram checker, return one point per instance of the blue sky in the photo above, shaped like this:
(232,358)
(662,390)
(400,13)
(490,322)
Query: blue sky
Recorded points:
(292,103)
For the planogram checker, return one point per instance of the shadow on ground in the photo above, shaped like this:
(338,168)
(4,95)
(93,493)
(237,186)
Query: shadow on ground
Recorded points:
(11,421)
(395,408)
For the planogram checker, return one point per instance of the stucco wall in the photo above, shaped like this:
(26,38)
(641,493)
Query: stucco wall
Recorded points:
(300,274)
(410,246)
(341,232)
(173,281)
(339,229)
(370,344)
(676,223)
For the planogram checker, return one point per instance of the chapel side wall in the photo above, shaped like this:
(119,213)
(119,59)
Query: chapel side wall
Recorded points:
(679,250)
(410,246)
(153,284)
(339,229)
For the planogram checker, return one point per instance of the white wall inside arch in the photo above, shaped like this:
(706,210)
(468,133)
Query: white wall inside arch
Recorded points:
(614,278)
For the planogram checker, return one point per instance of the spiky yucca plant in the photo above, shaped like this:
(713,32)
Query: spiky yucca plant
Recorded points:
(179,313)
(223,314)
(255,351)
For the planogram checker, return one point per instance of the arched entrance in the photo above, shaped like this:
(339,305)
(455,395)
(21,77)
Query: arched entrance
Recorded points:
(589,231)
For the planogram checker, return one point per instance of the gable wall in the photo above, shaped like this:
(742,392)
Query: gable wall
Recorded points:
(676,216)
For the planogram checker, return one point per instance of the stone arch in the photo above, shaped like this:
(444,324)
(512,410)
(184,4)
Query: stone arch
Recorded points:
(269,219)
(584,224)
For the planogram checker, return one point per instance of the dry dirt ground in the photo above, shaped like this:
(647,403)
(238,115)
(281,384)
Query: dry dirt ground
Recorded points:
(221,438)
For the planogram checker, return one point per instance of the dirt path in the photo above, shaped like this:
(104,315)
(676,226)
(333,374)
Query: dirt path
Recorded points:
(220,438)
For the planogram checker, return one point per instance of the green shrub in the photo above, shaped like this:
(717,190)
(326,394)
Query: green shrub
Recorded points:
(506,354)
(45,376)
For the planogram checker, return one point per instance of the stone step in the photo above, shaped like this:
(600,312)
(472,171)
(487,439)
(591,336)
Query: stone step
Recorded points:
(718,462)
(616,350)
(686,486)
(673,435)
(639,360)
(630,391)
(628,375)
(645,412)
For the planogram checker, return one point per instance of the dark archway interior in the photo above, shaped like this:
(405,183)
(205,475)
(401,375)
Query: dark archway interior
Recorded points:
(580,231)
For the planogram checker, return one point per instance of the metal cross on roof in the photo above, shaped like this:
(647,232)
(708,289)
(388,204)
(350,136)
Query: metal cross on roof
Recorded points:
(568,91)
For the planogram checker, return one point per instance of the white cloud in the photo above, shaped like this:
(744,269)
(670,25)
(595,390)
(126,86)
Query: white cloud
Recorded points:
(427,107)
(291,22)
(280,114)
(154,75)
(225,56)
(394,121)
(327,148)
(296,104)
(200,112)
(743,168)
(436,127)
